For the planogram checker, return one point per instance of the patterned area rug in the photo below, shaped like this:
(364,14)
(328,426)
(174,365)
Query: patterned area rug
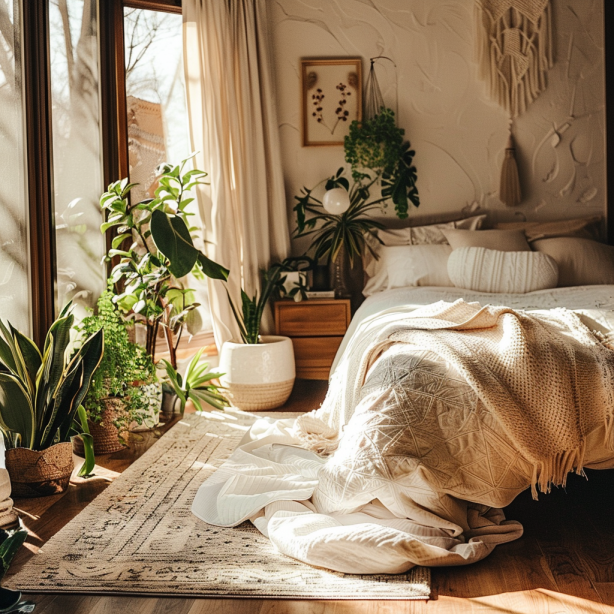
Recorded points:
(139,536)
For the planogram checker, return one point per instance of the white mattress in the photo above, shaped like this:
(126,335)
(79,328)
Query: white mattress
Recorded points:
(594,303)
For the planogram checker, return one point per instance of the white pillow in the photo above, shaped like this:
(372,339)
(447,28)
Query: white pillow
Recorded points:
(490,270)
(400,266)
(414,235)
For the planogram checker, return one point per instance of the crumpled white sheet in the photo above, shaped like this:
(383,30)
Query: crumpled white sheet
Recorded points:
(269,480)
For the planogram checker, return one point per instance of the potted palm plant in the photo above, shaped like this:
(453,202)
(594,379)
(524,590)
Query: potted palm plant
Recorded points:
(119,394)
(41,395)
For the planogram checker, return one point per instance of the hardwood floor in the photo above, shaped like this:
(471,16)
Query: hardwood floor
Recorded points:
(564,563)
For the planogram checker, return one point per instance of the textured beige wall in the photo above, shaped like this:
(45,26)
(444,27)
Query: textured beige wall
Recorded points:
(459,135)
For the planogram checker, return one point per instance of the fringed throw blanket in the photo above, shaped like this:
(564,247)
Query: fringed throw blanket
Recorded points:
(515,49)
(546,379)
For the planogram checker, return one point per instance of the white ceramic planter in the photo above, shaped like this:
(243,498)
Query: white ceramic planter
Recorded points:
(258,376)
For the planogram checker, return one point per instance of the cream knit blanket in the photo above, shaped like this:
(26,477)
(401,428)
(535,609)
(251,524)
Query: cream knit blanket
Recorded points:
(546,378)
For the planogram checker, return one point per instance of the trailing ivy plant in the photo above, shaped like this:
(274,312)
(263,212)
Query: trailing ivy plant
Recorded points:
(376,150)
(155,249)
(124,368)
(334,232)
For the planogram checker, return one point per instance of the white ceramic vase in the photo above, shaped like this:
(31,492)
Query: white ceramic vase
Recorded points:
(258,376)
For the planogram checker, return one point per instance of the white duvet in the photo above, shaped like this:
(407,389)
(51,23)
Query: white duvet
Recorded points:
(351,512)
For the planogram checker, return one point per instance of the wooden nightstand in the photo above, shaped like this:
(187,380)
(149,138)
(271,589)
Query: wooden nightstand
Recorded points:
(316,327)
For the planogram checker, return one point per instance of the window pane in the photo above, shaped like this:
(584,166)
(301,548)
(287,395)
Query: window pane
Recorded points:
(156,104)
(77,157)
(157,117)
(14,253)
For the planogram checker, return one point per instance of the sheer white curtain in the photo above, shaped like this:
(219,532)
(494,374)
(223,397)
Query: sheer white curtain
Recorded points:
(233,126)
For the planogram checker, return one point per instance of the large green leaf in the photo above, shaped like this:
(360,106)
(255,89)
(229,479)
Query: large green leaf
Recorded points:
(6,356)
(16,409)
(172,238)
(31,357)
(60,334)
(88,443)
(88,357)
(212,269)
(43,393)
(9,546)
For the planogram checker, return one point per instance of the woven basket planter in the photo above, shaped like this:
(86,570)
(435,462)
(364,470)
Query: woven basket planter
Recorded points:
(258,376)
(104,433)
(38,474)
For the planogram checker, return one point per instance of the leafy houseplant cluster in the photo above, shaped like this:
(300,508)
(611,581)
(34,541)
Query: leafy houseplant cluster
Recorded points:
(376,150)
(334,232)
(124,371)
(155,252)
(160,252)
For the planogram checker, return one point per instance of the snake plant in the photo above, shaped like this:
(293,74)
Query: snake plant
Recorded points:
(41,391)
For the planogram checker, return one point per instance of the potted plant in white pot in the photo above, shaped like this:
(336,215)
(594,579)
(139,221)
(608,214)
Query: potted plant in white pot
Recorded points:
(259,370)
(40,405)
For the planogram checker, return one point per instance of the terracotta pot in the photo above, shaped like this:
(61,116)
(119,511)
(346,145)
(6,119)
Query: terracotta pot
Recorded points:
(37,474)
(104,433)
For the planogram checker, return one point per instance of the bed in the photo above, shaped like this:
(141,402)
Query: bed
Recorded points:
(443,405)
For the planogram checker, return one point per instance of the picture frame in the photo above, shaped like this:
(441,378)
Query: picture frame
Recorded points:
(331,98)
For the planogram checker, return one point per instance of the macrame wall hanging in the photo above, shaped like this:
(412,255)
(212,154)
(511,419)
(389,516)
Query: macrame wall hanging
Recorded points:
(514,55)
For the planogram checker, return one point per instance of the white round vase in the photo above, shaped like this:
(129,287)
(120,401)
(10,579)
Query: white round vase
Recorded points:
(258,376)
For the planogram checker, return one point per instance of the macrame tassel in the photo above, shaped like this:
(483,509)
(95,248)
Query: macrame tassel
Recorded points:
(509,189)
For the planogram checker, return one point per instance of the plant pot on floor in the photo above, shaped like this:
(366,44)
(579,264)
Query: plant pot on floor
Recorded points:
(36,473)
(258,376)
(171,405)
(104,433)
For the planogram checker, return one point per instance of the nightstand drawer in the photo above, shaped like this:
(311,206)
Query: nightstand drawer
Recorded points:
(314,356)
(312,316)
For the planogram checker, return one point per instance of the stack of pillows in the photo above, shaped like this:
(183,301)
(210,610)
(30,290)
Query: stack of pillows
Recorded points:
(515,257)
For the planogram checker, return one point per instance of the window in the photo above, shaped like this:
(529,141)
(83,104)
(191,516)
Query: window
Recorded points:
(77,151)
(14,231)
(155,94)
(157,120)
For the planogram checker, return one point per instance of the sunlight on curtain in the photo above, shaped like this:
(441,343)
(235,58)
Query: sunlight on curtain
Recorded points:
(156,105)
(14,256)
(77,155)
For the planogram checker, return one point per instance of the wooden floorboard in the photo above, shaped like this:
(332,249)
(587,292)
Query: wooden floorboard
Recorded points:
(564,563)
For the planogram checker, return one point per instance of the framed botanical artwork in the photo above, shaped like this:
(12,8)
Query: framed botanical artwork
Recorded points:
(331,91)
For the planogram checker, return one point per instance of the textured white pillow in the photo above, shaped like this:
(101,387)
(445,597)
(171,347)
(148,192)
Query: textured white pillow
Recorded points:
(400,266)
(490,270)
(413,235)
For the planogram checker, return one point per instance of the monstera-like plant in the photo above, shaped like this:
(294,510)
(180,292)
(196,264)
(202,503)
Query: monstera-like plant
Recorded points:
(42,391)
